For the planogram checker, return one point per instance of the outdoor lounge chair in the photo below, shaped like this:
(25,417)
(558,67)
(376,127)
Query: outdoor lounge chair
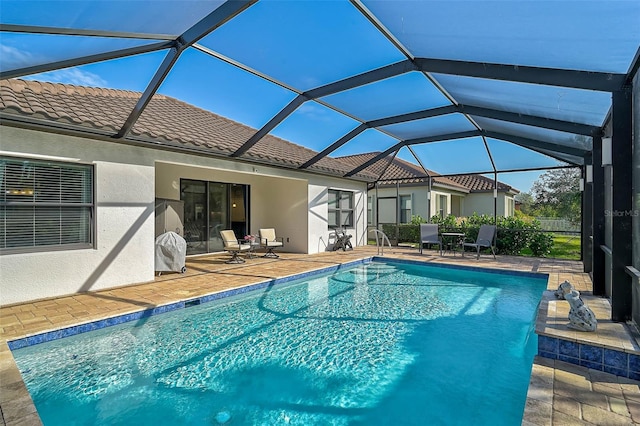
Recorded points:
(233,246)
(343,241)
(269,241)
(429,235)
(486,239)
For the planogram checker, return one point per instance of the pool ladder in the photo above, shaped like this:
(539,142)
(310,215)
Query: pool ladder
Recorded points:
(380,237)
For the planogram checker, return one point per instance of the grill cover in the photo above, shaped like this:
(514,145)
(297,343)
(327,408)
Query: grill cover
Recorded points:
(171,251)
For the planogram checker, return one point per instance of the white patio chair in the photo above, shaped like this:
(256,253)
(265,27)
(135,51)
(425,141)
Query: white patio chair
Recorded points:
(233,246)
(269,241)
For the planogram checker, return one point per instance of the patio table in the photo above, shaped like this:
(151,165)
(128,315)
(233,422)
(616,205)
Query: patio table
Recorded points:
(452,239)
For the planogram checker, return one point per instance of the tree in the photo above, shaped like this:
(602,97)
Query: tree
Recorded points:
(557,194)
(526,203)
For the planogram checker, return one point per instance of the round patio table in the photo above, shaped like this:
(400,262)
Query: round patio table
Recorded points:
(451,240)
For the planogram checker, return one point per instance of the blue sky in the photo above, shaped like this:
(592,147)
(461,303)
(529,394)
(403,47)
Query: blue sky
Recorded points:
(306,44)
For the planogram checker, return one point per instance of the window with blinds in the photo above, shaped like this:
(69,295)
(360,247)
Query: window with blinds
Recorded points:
(45,205)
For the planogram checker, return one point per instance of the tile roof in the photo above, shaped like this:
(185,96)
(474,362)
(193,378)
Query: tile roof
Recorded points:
(479,183)
(399,170)
(165,120)
(406,173)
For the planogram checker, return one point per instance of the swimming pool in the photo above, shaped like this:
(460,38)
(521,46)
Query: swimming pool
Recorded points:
(378,344)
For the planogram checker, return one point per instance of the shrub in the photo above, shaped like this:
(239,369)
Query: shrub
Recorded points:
(540,244)
(446,224)
(416,219)
(408,233)
(514,233)
(390,230)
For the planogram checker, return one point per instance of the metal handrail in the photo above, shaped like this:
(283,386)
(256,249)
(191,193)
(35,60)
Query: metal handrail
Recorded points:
(380,241)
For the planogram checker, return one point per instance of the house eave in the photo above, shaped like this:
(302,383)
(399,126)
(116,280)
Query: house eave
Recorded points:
(48,126)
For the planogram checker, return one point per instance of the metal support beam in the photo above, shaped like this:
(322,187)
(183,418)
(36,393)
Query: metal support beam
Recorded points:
(621,245)
(378,74)
(418,115)
(337,144)
(598,225)
(590,80)
(586,219)
(35,29)
(84,60)
(375,159)
(495,198)
(215,19)
(530,120)
(277,119)
(444,137)
(151,89)
(565,158)
(533,143)
(222,14)
(348,83)
(384,170)
(426,171)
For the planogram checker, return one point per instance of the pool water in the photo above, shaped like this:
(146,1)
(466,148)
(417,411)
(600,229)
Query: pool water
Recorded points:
(379,344)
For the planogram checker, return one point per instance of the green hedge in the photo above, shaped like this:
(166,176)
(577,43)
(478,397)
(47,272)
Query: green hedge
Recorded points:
(514,233)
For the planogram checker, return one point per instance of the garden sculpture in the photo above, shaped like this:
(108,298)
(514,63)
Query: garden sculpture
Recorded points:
(581,317)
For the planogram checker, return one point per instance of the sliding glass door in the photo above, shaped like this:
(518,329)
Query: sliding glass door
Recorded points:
(218,214)
(210,207)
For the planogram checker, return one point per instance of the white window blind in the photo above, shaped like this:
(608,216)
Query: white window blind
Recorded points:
(45,204)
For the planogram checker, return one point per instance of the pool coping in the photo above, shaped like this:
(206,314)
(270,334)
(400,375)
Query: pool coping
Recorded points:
(585,349)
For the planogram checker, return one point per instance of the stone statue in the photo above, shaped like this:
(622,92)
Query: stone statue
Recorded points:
(563,289)
(580,316)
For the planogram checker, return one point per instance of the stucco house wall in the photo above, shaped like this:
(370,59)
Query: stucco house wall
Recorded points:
(124,221)
(468,204)
(276,202)
(127,181)
(482,203)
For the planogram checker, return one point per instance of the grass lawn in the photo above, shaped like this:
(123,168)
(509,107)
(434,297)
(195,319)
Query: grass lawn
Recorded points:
(564,247)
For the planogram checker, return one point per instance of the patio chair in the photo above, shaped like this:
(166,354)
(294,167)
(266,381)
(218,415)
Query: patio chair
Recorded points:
(233,246)
(269,241)
(486,239)
(429,235)
(343,241)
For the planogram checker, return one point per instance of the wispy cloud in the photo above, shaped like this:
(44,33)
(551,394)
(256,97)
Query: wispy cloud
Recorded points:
(314,111)
(71,76)
(14,58)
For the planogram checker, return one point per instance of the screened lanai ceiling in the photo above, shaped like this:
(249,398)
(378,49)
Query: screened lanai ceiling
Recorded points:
(454,86)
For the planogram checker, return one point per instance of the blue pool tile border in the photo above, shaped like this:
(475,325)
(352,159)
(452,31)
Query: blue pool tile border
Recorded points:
(462,267)
(134,316)
(598,358)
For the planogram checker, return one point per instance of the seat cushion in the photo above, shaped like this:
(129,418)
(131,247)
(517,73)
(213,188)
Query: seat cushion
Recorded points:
(267,234)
